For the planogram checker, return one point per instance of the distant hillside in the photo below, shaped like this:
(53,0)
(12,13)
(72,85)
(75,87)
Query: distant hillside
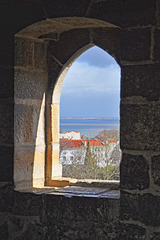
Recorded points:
(107,134)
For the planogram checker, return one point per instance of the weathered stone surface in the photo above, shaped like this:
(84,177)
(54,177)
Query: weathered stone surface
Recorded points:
(23,166)
(140,127)
(109,11)
(122,13)
(4,231)
(100,213)
(6,162)
(110,41)
(132,232)
(135,44)
(6,123)
(141,81)
(44,215)
(7,200)
(130,206)
(27,216)
(26,123)
(17,227)
(53,72)
(155,169)
(28,204)
(154,236)
(69,43)
(156,54)
(6,82)
(24,52)
(29,162)
(65,8)
(144,208)
(30,84)
(40,55)
(134,172)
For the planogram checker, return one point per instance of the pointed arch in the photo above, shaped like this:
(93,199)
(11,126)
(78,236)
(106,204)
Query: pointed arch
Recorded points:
(62,54)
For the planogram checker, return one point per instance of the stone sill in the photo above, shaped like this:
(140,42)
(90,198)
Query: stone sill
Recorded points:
(81,188)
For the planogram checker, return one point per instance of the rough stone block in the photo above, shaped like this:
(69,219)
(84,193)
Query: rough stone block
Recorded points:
(155,169)
(27,204)
(66,8)
(144,208)
(156,53)
(30,84)
(109,11)
(26,123)
(134,172)
(24,52)
(129,206)
(39,55)
(7,201)
(29,163)
(22,227)
(23,167)
(54,70)
(110,41)
(69,43)
(6,123)
(154,236)
(77,209)
(132,232)
(124,13)
(6,161)
(150,208)
(4,231)
(135,13)
(6,82)
(140,127)
(135,44)
(141,81)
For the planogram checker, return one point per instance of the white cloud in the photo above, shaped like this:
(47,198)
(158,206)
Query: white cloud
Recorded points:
(83,78)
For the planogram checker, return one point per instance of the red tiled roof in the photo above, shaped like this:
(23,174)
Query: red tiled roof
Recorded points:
(83,136)
(111,141)
(94,142)
(71,131)
(69,143)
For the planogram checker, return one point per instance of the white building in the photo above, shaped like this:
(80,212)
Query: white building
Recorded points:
(74,151)
(71,135)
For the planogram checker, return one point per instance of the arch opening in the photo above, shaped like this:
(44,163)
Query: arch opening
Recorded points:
(89,134)
(41,63)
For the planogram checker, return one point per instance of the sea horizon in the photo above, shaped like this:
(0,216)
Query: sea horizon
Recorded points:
(89,126)
(90,118)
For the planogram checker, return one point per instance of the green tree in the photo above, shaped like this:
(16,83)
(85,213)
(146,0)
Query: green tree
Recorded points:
(90,163)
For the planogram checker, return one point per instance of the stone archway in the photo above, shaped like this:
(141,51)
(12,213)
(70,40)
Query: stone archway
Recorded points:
(60,55)
(42,61)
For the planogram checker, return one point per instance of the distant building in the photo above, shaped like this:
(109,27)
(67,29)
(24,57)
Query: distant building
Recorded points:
(71,135)
(74,150)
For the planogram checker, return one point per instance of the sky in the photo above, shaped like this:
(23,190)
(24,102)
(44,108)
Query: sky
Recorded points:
(91,87)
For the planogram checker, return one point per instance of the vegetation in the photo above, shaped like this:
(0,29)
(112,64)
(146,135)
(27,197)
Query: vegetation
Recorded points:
(108,134)
(92,167)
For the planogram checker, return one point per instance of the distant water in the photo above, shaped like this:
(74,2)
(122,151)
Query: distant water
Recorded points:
(89,126)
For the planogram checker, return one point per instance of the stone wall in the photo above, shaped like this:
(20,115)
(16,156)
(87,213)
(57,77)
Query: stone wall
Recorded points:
(129,31)
(46,216)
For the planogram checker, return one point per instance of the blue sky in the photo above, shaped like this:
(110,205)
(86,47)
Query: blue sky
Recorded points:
(92,86)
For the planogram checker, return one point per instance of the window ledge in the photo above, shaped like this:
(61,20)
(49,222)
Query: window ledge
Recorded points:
(71,191)
(82,188)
